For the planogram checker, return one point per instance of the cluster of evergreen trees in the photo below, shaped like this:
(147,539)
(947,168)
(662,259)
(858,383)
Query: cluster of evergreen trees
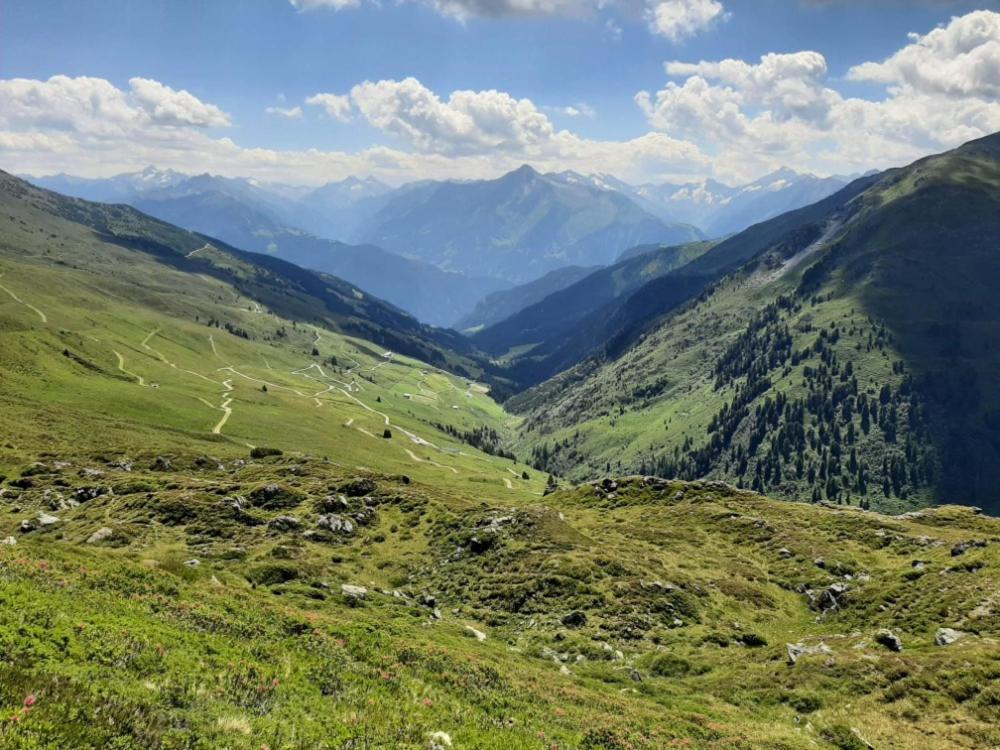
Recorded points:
(485,439)
(832,440)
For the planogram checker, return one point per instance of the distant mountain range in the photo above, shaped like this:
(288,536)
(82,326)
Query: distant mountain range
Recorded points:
(256,217)
(438,248)
(719,210)
(517,227)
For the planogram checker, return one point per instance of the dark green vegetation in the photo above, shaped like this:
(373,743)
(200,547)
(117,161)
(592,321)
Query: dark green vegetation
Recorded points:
(501,305)
(846,351)
(517,227)
(570,324)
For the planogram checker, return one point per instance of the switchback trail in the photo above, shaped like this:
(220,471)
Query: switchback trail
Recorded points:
(121,366)
(38,312)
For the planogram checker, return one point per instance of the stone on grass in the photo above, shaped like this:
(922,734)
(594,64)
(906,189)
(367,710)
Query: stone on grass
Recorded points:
(337,524)
(353,592)
(947,636)
(102,534)
(284,523)
(798,650)
(889,639)
(479,635)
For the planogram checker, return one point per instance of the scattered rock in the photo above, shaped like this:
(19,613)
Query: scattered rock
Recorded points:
(962,547)
(479,635)
(359,487)
(353,592)
(634,675)
(8,541)
(575,619)
(889,639)
(564,670)
(784,553)
(44,519)
(193,562)
(284,523)
(27,525)
(830,598)
(947,636)
(102,534)
(337,524)
(162,463)
(798,650)
(122,464)
(83,494)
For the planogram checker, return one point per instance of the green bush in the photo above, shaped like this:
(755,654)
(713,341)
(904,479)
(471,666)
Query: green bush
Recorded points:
(273,574)
(262,452)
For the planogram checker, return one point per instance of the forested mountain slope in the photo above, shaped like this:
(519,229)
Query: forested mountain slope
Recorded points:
(851,358)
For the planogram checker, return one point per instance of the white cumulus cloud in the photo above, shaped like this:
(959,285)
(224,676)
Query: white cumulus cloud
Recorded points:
(467,121)
(960,59)
(289,113)
(678,19)
(170,107)
(335,105)
(783,109)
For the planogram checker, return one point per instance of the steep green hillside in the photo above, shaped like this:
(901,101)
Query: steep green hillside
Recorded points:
(570,324)
(502,304)
(122,333)
(853,358)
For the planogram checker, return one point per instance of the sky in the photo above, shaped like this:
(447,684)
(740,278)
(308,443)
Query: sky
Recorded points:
(311,91)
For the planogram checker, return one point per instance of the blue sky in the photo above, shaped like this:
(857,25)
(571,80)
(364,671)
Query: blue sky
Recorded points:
(241,58)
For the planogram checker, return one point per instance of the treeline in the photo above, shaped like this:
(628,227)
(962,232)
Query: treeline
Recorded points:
(485,439)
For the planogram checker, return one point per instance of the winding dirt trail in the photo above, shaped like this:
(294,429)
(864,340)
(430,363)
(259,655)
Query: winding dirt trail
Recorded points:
(164,360)
(121,366)
(30,306)
(420,460)
(225,406)
(193,253)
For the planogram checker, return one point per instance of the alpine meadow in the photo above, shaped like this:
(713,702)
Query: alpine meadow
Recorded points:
(499,375)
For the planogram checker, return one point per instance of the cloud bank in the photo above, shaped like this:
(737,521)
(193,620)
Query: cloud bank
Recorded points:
(729,119)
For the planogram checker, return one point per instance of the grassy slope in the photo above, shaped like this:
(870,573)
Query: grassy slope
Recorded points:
(124,643)
(65,389)
(916,254)
(691,593)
